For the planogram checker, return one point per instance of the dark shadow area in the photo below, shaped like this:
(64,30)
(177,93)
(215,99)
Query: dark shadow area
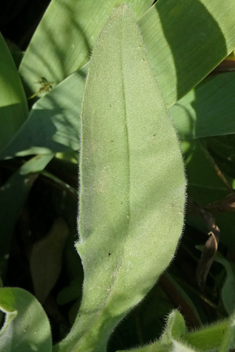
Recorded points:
(11,203)
(47,201)
(2,319)
(19,19)
(9,122)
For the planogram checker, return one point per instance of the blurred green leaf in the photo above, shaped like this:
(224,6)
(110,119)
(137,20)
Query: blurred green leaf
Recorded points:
(132,193)
(13,103)
(71,292)
(26,327)
(210,338)
(228,340)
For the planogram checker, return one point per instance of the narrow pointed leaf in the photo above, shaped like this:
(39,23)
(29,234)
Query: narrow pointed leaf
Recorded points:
(132,184)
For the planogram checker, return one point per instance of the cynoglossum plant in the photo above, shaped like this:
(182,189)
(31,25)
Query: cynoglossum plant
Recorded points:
(132,180)
(131,195)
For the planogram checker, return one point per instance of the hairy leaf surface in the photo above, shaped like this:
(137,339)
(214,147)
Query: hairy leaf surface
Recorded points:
(132,184)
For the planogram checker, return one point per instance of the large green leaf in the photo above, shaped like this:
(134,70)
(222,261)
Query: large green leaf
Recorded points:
(26,327)
(185,40)
(132,184)
(13,103)
(65,38)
